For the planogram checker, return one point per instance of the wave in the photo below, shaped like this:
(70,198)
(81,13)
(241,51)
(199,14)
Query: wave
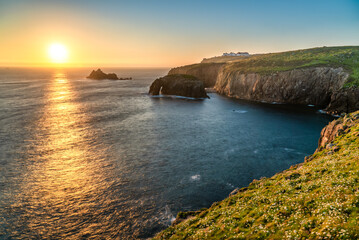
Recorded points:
(240,111)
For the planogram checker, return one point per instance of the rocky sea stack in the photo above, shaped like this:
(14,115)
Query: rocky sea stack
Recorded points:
(99,75)
(180,85)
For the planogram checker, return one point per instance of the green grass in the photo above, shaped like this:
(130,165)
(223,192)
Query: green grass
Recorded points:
(222,59)
(345,57)
(190,67)
(318,199)
(180,76)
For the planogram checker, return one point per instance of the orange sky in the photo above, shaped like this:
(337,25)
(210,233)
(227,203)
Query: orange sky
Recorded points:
(167,33)
(91,41)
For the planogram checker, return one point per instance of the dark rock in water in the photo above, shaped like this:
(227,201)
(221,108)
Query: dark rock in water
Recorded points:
(180,85)
(99,75)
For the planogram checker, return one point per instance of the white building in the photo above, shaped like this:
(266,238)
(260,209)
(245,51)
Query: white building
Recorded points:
(232,54)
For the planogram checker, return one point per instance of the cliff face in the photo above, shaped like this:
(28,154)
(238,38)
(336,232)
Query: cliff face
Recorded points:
(327,77)
(335,129)
(344,100)
(320,86)
(205,72)
(300,86)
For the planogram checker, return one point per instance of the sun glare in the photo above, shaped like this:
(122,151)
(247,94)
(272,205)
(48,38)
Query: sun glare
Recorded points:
(58,53)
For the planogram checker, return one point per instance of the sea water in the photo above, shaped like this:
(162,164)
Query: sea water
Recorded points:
(84,158)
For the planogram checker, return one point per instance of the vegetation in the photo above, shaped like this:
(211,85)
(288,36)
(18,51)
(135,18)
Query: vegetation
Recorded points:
(318,199)
(191,67)
(181,76)
(222,59)
(346,57)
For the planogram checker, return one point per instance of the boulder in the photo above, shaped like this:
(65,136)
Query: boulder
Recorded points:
(180,85)
(99,75)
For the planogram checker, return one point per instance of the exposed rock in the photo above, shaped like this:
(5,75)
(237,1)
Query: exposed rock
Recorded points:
(319,86)
(344,100)
(329,132)
(99,75)
(299,86)
(234,192)
(308,158)
(334,129)
(205,72)
(180,85)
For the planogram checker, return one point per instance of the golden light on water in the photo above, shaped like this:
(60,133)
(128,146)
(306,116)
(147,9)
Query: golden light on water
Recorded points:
(58,53)
(66,177)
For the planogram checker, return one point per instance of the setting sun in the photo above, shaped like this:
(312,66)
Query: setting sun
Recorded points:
(58,53)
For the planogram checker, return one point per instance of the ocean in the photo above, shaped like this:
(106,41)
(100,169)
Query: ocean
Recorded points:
(90,159)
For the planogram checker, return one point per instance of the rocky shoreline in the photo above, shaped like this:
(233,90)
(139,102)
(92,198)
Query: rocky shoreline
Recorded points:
(287,204)
(319,86)
(323,85)
(300,201)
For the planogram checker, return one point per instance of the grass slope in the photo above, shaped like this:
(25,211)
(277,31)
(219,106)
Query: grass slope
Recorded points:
(318,199)
(346,57)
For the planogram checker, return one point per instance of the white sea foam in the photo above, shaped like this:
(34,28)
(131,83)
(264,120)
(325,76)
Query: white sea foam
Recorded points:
(322,111)
(167,216)
(239,111)
(229,152)
(289,149)
(196,177)
(255,151)
(230,185)
(175,96)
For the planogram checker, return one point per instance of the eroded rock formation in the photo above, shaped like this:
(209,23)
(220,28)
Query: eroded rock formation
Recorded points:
(99,75)
(180,85)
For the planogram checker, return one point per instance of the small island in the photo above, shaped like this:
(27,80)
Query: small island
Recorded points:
(99,75)
(179,85)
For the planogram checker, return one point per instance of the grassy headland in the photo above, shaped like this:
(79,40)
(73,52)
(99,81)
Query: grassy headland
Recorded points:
(345,57)
(318,199)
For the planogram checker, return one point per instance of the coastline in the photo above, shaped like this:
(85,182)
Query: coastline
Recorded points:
(298,195)
(324,77)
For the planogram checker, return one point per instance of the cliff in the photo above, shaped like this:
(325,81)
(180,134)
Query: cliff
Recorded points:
(207,73)
(320,86)
(325,77)
(180,85)
(317,199)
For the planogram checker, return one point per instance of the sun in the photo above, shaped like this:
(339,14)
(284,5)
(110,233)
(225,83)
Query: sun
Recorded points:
(58,53)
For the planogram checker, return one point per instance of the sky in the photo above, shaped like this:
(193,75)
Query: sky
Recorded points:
(165,33)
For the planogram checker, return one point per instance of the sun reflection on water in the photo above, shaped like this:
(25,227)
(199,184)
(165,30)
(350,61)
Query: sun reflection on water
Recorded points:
(65,181)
